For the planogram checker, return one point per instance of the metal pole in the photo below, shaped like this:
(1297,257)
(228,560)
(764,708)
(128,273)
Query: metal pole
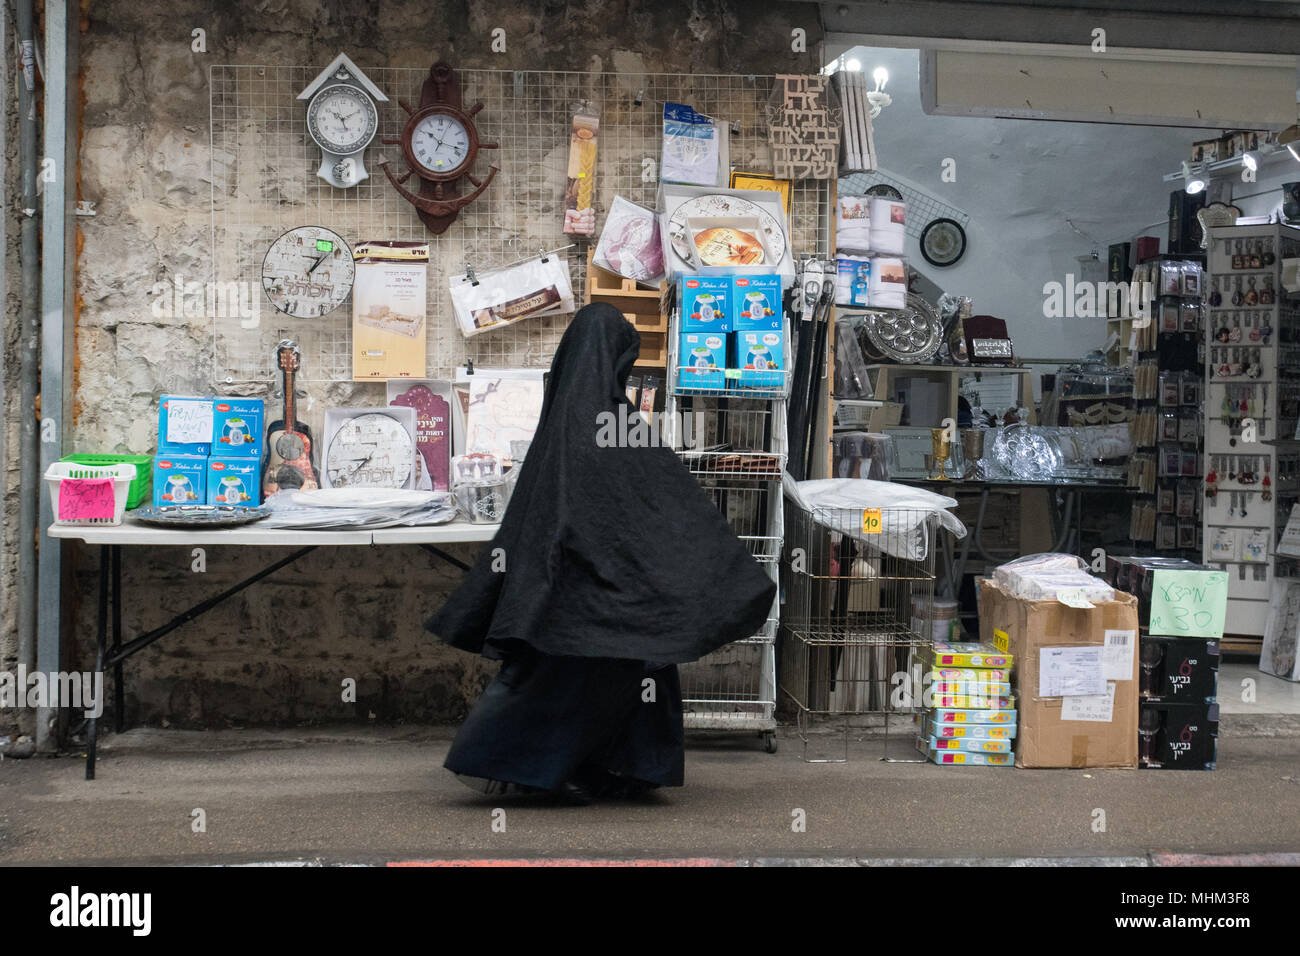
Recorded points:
(29,454)
(57,310)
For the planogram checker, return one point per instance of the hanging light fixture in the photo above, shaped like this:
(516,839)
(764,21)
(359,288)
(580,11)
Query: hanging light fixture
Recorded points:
(878,98)
(1193,182)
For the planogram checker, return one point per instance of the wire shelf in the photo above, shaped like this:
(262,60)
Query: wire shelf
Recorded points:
(263,168)
(732,679)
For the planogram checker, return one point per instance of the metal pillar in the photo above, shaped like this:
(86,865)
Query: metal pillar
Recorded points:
(58,260)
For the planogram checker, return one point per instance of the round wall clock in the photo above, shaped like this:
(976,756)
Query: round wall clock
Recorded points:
(308,272)
(342,119)
(370,451)
(439,143)
(943,242)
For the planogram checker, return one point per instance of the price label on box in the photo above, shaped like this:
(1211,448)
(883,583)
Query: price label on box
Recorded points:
(871,521)
(1001,640)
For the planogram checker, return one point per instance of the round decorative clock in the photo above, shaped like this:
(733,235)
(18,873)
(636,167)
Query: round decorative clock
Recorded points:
(342,119)
(943,242)
(439,143)
(308,272)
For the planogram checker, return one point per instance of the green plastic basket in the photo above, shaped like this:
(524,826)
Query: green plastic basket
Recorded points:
(141,485)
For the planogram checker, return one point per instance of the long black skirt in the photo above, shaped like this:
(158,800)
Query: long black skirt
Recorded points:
(544,721)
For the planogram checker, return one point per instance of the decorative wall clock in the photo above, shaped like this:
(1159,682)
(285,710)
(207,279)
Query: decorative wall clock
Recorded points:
(439,143)
(342,119)
(308,272)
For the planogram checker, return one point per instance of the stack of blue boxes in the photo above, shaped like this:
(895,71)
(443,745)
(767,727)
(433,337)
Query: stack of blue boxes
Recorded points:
(209,451)
(733,332)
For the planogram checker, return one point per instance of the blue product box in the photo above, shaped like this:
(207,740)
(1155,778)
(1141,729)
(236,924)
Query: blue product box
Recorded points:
(185,425)
(855,280)
(237,427)
(234,481)
(706,304)
(930,728)
(702,360)
(760,356)
(949,715)
(180,480)
(983,745)
(948,758)
(756,303)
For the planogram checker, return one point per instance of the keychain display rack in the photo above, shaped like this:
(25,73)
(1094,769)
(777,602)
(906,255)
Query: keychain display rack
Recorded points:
(1168,428)
(1252,379)
(263,170)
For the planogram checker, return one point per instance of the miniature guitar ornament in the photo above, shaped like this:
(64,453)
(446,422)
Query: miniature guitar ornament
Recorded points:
(288,441)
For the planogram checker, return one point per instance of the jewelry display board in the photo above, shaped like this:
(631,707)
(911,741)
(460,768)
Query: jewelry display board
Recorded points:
(263,168)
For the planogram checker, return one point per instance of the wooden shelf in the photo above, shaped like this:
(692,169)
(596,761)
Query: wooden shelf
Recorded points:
(904,367)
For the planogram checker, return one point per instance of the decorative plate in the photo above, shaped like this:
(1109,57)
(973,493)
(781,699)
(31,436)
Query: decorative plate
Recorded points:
(1025,453)
(371,451)
(202,516)
(886,191)
(943,242)
(1215,214)
(910,335)
(722,205)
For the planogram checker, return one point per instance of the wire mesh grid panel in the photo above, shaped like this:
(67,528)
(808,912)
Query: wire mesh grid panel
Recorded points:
(263,168)
(752,510)
(733,438)
(859,598)
(922,207)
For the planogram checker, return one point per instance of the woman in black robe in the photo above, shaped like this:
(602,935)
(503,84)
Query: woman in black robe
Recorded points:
(611,567)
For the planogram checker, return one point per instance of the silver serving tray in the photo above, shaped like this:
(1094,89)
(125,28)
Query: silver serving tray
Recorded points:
(202,516)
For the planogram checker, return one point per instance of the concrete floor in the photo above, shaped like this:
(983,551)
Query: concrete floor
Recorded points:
(373,795)
(1272,695)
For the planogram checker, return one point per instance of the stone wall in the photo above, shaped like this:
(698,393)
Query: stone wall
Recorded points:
(279,651)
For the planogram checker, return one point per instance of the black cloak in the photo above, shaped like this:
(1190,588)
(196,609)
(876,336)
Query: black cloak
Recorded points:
(609,551)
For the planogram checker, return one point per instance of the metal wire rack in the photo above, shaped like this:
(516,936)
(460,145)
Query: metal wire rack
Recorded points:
(859,598)
(263,167)
(739,439)
(922,207)
(748,508)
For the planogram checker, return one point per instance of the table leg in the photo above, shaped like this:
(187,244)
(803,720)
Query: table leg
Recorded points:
(92,727)
(119,694)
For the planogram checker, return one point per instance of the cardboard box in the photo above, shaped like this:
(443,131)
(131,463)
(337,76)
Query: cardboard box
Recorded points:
(760,356)
(237,428)
(1069,731)
(389,303)
(756,304)
(180,480)
(963,758)
(185,425)
(948,715)
(706,304)
(966,654)
(929,728)
(1179,736)
(233,481)
(702,360)
(983,745)
(1179,670)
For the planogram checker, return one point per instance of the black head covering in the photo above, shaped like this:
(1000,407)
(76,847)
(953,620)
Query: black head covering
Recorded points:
(608,551)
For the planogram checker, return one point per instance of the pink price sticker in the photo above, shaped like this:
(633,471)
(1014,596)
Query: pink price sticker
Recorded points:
(86,499)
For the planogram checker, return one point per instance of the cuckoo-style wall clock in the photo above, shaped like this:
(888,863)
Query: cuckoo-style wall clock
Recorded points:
(440,144)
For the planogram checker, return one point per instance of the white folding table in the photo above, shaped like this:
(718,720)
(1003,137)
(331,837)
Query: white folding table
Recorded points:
(112,651)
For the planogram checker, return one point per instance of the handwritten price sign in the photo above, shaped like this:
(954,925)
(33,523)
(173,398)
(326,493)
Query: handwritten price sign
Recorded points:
(1189,603)
(871,521)
(86,499)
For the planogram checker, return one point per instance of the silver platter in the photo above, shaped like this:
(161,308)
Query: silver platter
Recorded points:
(910,335)
(203,516)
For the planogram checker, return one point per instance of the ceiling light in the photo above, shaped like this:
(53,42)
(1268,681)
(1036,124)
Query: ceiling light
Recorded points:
(853,66)
(1193,183)
(881,76)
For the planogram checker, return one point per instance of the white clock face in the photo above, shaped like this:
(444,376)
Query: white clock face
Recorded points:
(440,143)
(342,119)
(308,272)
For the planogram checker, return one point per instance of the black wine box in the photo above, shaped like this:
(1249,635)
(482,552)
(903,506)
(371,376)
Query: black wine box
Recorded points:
(1178,736)
(1184,230)
(1178,670)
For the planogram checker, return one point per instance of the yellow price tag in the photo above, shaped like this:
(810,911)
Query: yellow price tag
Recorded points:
(1001,640)
(871,521)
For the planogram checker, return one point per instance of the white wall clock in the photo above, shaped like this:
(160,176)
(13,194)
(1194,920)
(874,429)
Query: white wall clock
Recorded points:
(308,272)
(342,119)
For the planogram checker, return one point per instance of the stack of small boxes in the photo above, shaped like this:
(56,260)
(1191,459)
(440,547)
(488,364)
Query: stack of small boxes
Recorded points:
(1178,720)
(732,332)
(970,715)
(209,451)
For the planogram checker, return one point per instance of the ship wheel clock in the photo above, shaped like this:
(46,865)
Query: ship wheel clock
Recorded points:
(440,144)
